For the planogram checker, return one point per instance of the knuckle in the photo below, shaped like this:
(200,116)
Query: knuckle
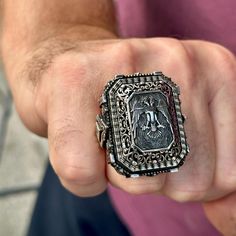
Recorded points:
(82,184)
(186,196)
(187,64)
(169,46)
(124,52)
(181,63)
(69,167)
(84,191)
(69,163)
(138,189)
(125,46)
(71,70)
(227,180)
(225,61)
(226,58)
(78,174)
(135,190)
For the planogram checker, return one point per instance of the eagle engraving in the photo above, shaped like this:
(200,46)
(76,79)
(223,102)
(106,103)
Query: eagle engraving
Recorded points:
(151,126)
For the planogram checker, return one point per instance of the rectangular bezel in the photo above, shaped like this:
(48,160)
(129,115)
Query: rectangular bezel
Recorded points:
(161,123)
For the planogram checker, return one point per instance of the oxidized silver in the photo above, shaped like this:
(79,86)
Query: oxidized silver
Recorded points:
(141,125)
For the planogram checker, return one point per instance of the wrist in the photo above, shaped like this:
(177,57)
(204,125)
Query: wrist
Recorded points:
(63,33)
(43,50)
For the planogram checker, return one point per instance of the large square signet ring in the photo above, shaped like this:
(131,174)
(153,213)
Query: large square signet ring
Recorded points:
(141,125)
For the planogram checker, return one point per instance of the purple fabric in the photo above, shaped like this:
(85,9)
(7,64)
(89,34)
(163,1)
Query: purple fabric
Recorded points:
(212,20)
(158,215)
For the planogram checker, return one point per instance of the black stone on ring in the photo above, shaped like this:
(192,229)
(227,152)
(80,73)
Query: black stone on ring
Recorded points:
(141,125)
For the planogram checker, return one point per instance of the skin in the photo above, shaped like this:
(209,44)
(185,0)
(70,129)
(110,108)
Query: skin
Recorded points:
(57,58)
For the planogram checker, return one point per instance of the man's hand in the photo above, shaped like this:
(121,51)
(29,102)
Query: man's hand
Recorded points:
(62,104)
(57,76)
(59,56)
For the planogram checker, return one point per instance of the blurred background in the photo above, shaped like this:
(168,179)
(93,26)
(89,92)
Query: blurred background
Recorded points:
(23,158)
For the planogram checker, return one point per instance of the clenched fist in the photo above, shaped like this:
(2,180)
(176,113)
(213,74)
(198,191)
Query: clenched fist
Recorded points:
(64,104)
(58,96)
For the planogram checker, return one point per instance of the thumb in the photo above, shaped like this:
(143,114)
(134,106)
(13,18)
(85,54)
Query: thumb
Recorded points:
(222,214)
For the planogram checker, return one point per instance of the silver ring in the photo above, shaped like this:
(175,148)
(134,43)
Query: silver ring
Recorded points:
(141,125)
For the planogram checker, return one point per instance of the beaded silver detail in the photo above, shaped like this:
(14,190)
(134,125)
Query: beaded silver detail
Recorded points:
(141,125)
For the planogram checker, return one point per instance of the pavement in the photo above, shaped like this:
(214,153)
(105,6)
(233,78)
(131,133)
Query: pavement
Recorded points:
(23,158)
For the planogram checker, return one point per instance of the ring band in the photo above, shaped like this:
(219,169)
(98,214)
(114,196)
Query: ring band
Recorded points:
(141,125)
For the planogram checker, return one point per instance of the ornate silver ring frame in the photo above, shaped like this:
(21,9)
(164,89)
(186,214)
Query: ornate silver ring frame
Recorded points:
(141,125)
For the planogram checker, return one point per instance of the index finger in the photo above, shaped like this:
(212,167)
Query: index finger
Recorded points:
(71,128)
